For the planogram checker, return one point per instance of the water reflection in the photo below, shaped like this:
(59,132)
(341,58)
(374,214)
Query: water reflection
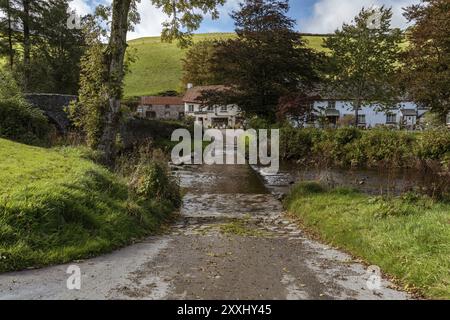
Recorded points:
(370,181)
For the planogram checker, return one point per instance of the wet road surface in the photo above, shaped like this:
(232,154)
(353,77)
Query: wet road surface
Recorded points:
(231,241)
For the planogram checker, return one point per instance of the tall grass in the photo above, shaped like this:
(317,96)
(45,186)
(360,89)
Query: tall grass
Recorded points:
(57,205)
(408,237)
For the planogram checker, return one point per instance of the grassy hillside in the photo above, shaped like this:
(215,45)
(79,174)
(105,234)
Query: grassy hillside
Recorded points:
(158,65)
(56,205)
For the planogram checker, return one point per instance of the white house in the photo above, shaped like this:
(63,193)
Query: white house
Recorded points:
(405,114)
(215,116)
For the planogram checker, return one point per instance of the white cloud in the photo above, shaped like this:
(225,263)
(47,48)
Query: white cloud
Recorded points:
(81,7)
(151,21)
(329,15)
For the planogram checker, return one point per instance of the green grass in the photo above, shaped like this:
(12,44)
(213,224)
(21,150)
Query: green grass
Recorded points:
(159,67)
(407,237)
(56,205)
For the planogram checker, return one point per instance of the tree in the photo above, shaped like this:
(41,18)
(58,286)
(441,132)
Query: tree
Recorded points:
(297,107)
(87,113)
(42,50)
(29,14)
(198,65)
(184,20)
(267,60)
(6,28)
(57,52)
(427,61)
(364,60)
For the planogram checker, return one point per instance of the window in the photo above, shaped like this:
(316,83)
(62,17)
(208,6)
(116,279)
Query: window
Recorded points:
(391,118)
(191,108)
(362,118)
(150,115)
(210,108)
(331,105)
(149,106)
(167,106)
(224,108)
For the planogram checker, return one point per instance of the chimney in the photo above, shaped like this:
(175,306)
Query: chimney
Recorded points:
(190,86)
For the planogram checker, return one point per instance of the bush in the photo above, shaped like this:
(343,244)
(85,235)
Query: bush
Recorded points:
(21,122)
(386,147)
(18,120)
(150,177)
(379,147)
(298,143)
(434,145)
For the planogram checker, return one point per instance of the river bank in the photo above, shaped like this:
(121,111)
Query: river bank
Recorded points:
(407,236)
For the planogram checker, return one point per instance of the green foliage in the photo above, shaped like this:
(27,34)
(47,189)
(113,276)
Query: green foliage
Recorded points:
(9,89)
(407,237)
(434,144)
(363,60)
(266,61)
(298,144)
(198,63)
(57,205)
(426,69)
(44,52)
(389,147)
(21,122)
(18,120)
(152,179)
(379,147)
(185,18)
(88,113)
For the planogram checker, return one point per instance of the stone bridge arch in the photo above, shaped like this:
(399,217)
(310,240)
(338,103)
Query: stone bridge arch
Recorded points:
(53,106)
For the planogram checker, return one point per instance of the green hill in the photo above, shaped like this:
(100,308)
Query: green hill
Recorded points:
(158,65)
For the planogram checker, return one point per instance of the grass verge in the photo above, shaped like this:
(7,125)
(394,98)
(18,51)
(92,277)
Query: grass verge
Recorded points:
(57,206)
(407,237)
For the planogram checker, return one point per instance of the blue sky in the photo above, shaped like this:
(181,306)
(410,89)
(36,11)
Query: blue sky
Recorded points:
(313,16)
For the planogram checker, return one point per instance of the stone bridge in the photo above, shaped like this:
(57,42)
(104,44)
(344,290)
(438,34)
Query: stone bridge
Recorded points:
(53,106)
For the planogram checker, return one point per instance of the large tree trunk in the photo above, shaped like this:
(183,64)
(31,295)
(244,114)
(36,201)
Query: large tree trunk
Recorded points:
(26,43)
(10,42)
(114,73)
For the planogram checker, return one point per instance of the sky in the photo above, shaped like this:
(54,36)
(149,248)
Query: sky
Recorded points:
(312,16)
